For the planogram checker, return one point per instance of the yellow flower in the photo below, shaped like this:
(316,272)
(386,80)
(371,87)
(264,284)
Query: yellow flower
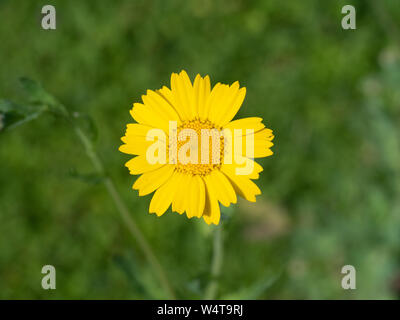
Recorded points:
(195,186)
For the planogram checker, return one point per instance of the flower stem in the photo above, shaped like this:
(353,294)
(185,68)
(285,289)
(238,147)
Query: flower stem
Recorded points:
(124,213)
(216,264)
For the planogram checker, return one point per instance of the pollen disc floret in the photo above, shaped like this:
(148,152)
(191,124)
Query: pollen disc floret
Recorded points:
(200,185)
(200,167)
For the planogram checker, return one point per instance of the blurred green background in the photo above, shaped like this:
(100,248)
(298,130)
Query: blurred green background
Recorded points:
(330,192)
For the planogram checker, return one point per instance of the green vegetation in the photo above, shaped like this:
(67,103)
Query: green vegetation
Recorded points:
(331,191)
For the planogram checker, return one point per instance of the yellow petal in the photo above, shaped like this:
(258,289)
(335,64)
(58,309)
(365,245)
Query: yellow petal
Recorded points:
(214,100)
(211,212)
(202,89)
(196,197)
(136,129)
(233,107)
(196,88)
(223,188)
(155,101)
(164,195)
(261,140)
(240,162)
(167,95)
(228,103)
(253,123)
(139,165)
(180,198)
(135,145)
(150,181)
(149,116)
(221,105)
(183,93)
(242,185)
(261,149)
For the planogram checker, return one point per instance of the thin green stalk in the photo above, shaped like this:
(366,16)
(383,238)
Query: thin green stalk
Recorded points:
(216,264)
(125,215)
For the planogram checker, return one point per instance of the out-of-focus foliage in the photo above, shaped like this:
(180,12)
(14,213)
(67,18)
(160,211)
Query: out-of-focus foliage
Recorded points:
(331,191)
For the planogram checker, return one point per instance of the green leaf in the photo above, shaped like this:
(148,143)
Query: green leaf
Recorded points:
(39,101)
(35,92)
(7,106)
(13,115)
(38,96)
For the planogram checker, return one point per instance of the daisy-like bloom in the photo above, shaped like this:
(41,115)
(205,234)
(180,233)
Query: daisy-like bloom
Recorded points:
(196,187)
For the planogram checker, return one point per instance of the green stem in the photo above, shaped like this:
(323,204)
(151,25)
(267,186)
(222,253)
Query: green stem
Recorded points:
(125,215)
(216,264)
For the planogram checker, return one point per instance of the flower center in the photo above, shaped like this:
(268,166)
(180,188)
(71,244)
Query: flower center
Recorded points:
(200,147)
